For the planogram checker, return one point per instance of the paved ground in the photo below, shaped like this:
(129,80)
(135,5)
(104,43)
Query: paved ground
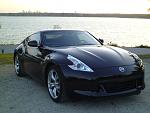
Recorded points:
(24,95)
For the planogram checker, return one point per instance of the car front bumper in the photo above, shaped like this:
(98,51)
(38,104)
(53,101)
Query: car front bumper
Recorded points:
(105,83)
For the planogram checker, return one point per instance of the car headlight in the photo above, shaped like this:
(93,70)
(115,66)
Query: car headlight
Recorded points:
(137,58)
(78,65)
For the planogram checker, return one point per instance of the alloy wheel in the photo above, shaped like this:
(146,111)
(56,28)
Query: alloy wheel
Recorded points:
(17,65)
(54,84)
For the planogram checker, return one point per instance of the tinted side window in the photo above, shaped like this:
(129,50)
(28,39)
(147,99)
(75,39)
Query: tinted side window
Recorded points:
(35,37)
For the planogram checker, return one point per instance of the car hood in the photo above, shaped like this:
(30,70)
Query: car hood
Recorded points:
(99,56)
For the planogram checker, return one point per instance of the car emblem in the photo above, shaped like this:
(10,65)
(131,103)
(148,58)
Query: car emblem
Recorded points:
(122,69)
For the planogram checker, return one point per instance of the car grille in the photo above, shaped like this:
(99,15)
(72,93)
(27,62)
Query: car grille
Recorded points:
(119,86)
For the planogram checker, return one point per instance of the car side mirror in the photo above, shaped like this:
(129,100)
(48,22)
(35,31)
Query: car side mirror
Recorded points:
(33,43)
(101,41)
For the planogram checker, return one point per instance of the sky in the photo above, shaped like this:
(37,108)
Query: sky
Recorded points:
(78,6)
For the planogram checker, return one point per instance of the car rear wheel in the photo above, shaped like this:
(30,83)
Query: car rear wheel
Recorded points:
(56,85)
(18,68)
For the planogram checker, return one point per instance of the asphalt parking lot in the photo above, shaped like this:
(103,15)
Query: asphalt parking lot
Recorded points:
(24,95)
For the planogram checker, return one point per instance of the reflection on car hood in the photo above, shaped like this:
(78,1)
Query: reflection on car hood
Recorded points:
(99,56)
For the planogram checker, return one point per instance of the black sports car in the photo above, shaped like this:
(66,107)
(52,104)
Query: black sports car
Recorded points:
(73,61)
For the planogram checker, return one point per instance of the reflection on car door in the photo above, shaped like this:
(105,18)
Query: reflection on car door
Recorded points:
(33,57)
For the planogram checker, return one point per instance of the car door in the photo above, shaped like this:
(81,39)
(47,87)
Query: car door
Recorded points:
(33,57)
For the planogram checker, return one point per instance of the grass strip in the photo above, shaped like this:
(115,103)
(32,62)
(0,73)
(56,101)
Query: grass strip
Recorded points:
(144,56)
(6,58)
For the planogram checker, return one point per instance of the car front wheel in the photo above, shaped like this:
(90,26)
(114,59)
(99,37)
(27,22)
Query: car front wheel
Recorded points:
(18,69)
(56,86)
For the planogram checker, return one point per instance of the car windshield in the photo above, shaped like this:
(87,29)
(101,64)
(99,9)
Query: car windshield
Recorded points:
(68,38)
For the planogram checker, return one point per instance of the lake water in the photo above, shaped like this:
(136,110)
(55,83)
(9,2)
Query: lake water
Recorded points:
(122,31)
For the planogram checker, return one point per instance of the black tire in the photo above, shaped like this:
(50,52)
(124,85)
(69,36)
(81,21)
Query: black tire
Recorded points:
(18,66)
(59,85)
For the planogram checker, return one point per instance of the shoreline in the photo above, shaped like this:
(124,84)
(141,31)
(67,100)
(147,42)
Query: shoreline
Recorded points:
(9,48)
(116,15)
